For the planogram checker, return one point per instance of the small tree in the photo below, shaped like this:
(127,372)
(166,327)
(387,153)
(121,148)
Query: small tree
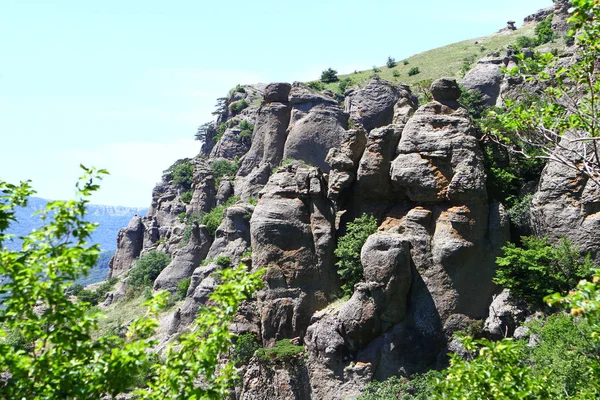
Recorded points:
(391,62)
(414,71)
(329,76)
(348,250)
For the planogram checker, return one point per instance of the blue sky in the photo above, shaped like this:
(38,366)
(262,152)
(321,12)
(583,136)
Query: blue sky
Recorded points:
(123,84)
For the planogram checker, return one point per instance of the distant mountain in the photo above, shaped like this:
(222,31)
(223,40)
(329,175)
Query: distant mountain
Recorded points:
(109,218)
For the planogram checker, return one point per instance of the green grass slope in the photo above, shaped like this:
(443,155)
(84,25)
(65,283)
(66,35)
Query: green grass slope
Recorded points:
(446,61)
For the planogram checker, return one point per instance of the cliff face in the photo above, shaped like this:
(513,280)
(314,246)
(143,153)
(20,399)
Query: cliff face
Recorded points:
(315,162)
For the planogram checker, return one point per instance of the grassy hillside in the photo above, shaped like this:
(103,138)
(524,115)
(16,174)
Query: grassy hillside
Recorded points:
(445,61)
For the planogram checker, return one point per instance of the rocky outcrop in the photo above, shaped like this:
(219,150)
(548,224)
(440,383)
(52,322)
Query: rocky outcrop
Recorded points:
(561,13)
(439,158)
(373,106)
(486,78)
(292,235)
(567,204)
(129,245)
(270,130)
(231,145)
(185,260)
(288,380)
(203,198)
(505,315)
(317,124)
(232,237)
(538,16)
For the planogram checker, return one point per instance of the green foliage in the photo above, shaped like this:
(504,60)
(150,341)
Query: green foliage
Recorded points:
(49,345)
(223,261)
(343,85)
(565,347)
(375,69)
(539,129)
(182,288)
(245,135)
(75,289)
(244,348)
(197,356)
(395,73)
(467,64)
(220,168)
(316,85)
(543,31)
(147,268)
(391,62)
(253,201)
(213,219)
(237,89)
(539,269)
(386,390)
(525,41)
(419,387)
(66,362)
(220,131)
(405,62)
(186,196)
(189,223)
(348,250)
(472,100)
(414,71)
(238,106)
(181,173)
(283,350)
(497,373)
(329,76)
(203,131)
(423,90)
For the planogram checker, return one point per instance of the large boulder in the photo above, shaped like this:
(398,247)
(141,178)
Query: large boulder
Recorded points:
(232,237)
(204,195)
(439,157)
(277,92)
(185,260)
(485,77)
(129,246)
(567,203)
(292,235)
(373,106)
(560,24)
(317,124)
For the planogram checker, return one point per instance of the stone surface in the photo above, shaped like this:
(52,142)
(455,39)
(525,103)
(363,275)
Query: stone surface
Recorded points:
(129,245)
(505,314)
(486,79)
(373,106)
(185,260)
(317,124)
(292,235)
(232,237)
(445,90)
(439,157)
(567,204)
(277,92)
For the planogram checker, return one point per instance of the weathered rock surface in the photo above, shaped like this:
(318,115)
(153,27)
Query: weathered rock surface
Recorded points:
(276,381)
(373,106)
(486,78)
(317,124)
(567,204)
(439,158)
(561,14)
(185,260)
(129,245)
(505,314)
(203,198)
(292,235)
(232,237)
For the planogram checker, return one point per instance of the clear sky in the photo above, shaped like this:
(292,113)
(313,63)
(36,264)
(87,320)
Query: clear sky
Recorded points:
(123,84)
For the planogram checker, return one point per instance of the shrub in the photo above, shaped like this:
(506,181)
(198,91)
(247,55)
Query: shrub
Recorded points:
(316,85)
(343,85)
(405,62)
(244,348)
(182,288)
(375,69)
(253,201)
(220,131)
(284,350)
(391,62)
(223,261)
(497,373)
(88,296)
(147,268)
(419,387)
(220,168)
(414,71)
(329,76)
(540,269)
(186,196)
(187,234)
(386,390)
(395,73)
(238,106)
(543,31)
(525,41)
(181,173)
(75,289)
(348,250)
(472,100)
(245,135)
